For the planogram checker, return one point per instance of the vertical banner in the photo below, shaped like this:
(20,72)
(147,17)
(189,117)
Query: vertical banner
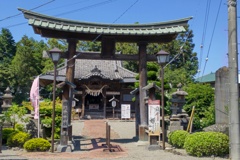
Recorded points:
(34,97)
(153,115)
(125,111)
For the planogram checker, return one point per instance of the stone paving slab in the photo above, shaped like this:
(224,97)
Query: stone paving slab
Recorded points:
(90,135)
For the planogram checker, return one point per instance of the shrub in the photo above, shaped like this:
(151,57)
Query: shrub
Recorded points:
(17,139)
(19,127)
(37,144)
(207,144)
(5,134)
(177,138)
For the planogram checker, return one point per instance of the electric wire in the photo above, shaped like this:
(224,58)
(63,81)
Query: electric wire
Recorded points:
(64,6)
(214,28)
(69,12)
(75,56)
(30,9)
(204,35)
(181,47)
(87,7)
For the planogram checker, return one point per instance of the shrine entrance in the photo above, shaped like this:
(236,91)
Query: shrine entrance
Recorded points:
(94,103)
(108,35)
(94,106)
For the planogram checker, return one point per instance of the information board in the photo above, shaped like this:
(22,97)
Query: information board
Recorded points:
(153,115)
(125,111)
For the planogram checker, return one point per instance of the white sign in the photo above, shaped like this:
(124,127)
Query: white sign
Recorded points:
(114,104)
(125,111)
(153,115)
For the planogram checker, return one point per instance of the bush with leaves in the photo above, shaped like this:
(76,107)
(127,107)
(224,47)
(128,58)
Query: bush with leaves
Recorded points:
(19,127)
(177,138)
(202,97)
(17,139)
(37,144)
(45,111)
(14,115)
(207,144)
(5,134)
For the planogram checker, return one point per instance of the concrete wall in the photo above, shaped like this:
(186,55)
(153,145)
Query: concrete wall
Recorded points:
(221,96)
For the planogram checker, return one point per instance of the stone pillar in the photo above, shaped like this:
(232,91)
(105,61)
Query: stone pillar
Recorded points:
(221,96)
(142,93)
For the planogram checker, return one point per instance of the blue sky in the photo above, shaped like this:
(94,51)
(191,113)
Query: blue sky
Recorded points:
(129,12)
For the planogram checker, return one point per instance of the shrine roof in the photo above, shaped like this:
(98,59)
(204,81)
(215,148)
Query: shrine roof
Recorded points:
(48,26)
(85,69)
(106,69)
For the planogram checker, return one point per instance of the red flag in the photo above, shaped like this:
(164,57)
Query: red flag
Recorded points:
(34,97)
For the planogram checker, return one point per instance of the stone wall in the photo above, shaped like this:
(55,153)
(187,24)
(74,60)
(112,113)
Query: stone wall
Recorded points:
(221,96)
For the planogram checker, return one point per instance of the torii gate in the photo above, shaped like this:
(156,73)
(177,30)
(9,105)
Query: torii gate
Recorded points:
(108,34)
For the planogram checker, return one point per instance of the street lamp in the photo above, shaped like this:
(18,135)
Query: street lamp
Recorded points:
(54,54)
(162,58)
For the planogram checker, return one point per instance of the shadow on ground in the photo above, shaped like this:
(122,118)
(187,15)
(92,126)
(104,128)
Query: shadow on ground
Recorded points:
(82,143)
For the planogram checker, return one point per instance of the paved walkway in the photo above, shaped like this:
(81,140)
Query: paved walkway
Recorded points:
(89,135)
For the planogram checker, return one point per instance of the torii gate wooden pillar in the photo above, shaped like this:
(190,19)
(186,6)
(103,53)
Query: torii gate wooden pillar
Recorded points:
(67,90)
(142,93)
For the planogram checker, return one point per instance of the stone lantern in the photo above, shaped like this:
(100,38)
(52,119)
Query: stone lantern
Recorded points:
(179,118)
(7,99)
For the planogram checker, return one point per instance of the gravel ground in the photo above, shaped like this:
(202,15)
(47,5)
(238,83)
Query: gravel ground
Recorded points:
(89,137)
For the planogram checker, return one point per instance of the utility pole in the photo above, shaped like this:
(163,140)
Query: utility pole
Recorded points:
(234,128)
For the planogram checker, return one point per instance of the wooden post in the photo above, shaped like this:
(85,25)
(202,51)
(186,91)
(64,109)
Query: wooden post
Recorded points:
(104,103)
(67,91)
(142,93)
(83,104)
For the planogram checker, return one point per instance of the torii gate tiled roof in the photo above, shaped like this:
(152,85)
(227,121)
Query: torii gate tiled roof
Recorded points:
(64,28)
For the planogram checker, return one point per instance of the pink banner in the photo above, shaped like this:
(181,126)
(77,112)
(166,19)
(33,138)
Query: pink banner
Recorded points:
(34,96)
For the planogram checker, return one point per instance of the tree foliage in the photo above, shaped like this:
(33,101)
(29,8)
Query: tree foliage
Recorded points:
(7,52)
(202,97)
(27,63)
(14,114)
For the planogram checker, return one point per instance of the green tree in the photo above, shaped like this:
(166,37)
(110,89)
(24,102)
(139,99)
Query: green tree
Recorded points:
(184,62)
(27,63)
(7,52)
(128,48)
(202,97)
(14,115)
(182,49)
(52,43)
(89,46)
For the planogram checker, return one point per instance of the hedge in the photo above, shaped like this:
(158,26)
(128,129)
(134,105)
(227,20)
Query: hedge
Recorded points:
(177,138)
(37,144)
(207,144)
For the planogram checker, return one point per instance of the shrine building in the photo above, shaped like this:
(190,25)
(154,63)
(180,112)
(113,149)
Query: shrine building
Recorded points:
(97,82)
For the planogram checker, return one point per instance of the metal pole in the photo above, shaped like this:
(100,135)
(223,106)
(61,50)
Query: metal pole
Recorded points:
(234,128)
(53,112)
(163,121)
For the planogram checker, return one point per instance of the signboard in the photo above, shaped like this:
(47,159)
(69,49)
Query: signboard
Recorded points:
(112,93)
(93,106)
(125,111)
(153,115)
